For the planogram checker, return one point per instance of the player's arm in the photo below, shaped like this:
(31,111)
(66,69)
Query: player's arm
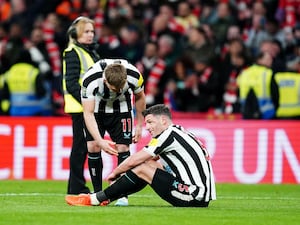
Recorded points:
(140,105)
(89,118)
(129,163)
(91,124)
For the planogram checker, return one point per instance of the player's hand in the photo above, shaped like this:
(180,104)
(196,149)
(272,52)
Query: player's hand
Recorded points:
(109,147)
(137,135)
(112,177)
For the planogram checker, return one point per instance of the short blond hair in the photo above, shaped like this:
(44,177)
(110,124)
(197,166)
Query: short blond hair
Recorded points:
(116,75)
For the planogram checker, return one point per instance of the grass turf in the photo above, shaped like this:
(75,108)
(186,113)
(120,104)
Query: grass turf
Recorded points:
(42,203)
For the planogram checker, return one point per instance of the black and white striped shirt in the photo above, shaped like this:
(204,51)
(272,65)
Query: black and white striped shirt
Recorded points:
(108,101)
(186,158)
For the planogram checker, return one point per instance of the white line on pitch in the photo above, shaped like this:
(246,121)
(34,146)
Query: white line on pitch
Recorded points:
(149,195)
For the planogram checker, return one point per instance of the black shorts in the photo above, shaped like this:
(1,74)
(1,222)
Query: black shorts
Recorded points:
(117,125)
(171,190)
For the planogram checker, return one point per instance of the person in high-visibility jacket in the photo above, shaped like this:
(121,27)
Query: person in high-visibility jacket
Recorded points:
(24,92)
(258,91)
(79,55)
(4,103)
(289,92)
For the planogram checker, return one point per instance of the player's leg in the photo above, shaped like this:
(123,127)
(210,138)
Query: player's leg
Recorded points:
(173,191)
(127,184)
(131,182)
(95,162)
(95,165)
(124,153)
(119,127)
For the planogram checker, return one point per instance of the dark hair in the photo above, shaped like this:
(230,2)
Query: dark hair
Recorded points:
(259,56)
(116,74)
(159,109)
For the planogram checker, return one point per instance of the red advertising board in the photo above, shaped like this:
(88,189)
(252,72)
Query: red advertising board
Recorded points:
(241,151)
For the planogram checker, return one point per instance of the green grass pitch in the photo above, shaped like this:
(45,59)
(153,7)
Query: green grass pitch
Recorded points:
(42,203)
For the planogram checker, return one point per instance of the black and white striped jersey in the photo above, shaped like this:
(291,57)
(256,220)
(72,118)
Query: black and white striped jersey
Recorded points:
(186,158)
(93,87)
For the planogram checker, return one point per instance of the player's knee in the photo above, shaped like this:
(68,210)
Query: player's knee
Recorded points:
(144,172)
(93,147)
(140,169)
(122,148)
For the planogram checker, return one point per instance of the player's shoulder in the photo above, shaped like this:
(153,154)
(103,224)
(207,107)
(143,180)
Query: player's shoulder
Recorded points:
(94,72)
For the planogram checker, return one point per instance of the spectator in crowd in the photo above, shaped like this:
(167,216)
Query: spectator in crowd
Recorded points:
(68,9)
(274,48)
(224,17)
(207,14)
(165,23)
(275,32)
(296,32)
(185,17)
(233,33)
(244,16)
(256,33)
(15,43)
(39,54)
(121,13)
(4,61)
(195,7)
(290,43)
(293,56)
(92,9)
(259,95)
(51,26)
(160,73)
(132,45)
(109,43)
(294,63)
(202,86)
(235,60)
(37,48)
(198,45)
(259,8)
(176,89)
(24,88)
(148,60)
(287,12)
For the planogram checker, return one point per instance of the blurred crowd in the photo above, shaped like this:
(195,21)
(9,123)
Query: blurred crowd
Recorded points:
(190,52)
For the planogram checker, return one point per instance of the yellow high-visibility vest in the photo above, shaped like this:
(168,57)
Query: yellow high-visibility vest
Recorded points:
(289,94)
(258,78)
(86,61)
(21,81)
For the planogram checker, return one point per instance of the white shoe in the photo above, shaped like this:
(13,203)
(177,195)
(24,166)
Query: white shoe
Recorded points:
(122,202)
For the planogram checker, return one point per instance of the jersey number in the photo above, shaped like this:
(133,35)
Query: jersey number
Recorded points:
(126,125)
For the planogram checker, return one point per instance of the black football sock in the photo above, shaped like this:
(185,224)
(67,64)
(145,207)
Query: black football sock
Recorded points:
(95,167)
(122,156)
(125,185)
